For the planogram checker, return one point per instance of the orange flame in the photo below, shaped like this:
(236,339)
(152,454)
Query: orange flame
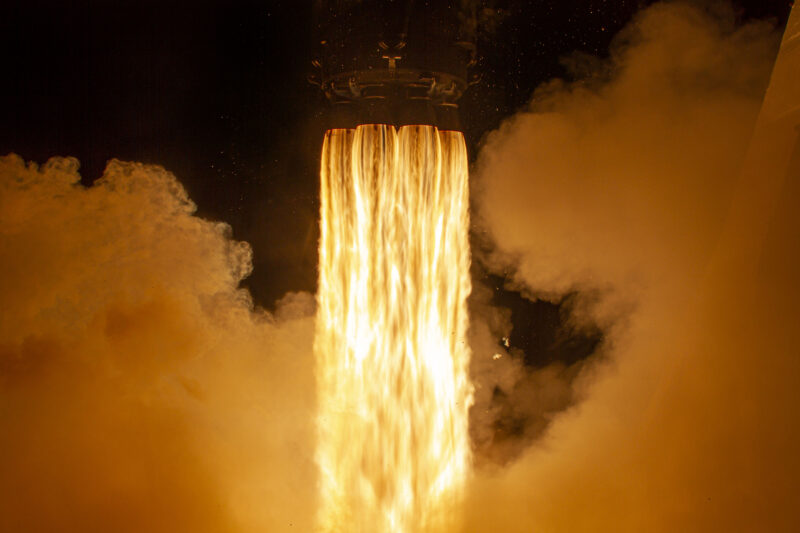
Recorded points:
(391,352)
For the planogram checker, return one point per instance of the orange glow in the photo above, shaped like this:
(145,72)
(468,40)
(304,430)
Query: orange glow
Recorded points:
(392,361)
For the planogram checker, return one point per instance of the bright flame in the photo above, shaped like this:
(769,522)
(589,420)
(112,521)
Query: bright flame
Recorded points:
(391,349)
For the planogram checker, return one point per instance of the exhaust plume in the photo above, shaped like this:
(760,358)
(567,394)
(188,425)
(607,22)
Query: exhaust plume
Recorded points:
(392,361)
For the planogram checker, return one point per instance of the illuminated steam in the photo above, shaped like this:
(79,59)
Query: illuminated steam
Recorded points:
(139,391)
(619,186)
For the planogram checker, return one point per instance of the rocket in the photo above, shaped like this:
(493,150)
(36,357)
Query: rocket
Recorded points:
(394,62)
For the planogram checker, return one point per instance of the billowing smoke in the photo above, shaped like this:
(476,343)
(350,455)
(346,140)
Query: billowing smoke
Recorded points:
(624,187)
(139,389)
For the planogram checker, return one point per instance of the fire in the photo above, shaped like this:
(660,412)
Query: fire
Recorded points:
(392,358)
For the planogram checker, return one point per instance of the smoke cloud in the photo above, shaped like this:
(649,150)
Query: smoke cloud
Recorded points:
(139,389)
(627,187)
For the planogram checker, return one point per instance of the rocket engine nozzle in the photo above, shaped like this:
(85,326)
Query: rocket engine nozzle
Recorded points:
(394,62)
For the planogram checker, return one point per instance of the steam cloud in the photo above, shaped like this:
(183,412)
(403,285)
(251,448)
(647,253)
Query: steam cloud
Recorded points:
(625,186)
(139,391)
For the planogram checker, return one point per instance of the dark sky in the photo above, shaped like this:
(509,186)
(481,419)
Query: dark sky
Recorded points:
(216,92)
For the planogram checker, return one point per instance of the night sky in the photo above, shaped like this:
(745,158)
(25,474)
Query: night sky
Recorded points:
(216,92)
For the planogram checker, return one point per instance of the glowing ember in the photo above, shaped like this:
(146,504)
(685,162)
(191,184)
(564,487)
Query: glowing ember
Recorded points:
(390,342)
